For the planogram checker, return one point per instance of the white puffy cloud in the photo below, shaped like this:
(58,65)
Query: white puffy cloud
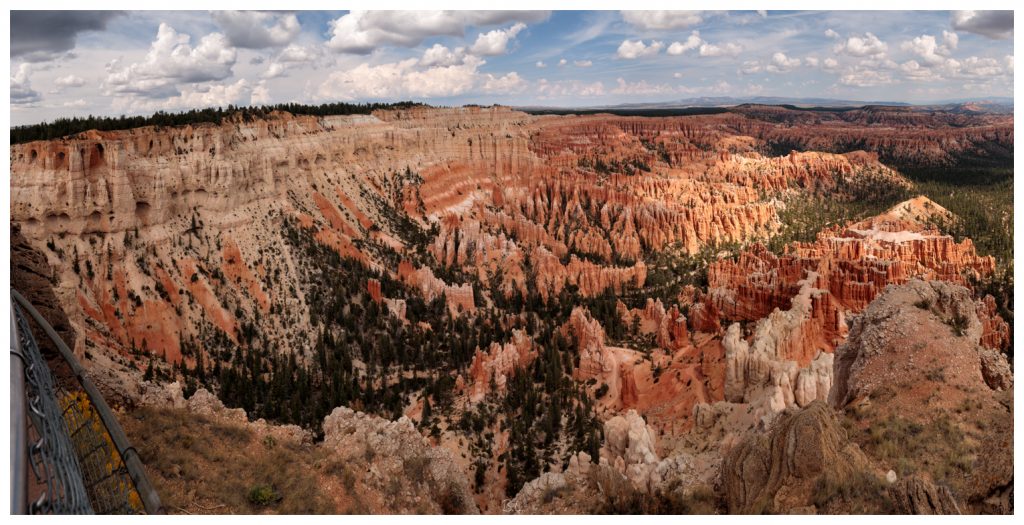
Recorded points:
(582,63)
(927,49)
(211,95)
(257,29)
(360,32)
(829,64)
(979,67)
(780,63)
(659,20)
(992,24)
(21,86)
(914,70)
(862,46)
(171,60)
(297,54)
(76,104)
(495,42)
(692,42)
(751,67)
(69,81)
(260,95)
(541,64)
(831,33)
(405,79)
(290,57)
(439,55)
(950,39)
(509,83)
(275,70)
(812,61)
(193,97)
(562,62)
(717,50)
(631,49)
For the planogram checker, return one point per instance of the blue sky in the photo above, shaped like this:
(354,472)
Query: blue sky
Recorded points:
(108,63)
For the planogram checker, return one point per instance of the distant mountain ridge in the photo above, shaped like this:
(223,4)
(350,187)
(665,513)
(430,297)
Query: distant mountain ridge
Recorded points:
(987,104)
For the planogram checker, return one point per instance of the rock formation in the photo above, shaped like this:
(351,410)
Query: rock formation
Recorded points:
(429,479)
(915,358)
(781,470)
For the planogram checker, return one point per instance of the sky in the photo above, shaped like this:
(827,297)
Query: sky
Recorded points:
(76,63)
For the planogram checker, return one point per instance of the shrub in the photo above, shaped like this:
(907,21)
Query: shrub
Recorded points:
(263,495)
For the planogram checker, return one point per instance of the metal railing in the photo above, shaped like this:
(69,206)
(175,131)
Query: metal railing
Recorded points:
(69,455)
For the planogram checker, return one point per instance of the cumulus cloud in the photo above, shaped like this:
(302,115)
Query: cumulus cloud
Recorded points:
(717,50)
(950,39)
(862,46)
(992,24)
(562,62)
(751,67)
(812,61)
(631,49)
(211,96)
(260,95)
(495,42)
(692,42)
(172,60)
(21,87)
(69,81)
(76,104)
(927,49)
(509,83)
(439,55)
(829,64)
(582,63)
(407,78)
(541,64)
(275,70)
(257,29)
(37,36)
(780,63)
(360,32)
(831,33)
(659,20)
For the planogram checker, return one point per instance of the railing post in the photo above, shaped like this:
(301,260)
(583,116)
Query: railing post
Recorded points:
(19,426)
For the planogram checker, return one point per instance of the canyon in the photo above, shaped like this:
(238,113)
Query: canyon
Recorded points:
(522,308)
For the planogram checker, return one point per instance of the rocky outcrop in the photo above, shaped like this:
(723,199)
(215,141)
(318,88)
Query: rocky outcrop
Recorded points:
(458,298)
(668,327)
(775,370)
(778,471)
(495,366)
(919,496)
(401,465)
(915,358)
(943,307)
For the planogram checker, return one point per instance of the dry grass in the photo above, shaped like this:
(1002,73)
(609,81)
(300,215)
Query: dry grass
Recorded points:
(860,493)
(201,466)
(937,448)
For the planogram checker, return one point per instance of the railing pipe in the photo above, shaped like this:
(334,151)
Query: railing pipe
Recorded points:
(19,426)
(150,499)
